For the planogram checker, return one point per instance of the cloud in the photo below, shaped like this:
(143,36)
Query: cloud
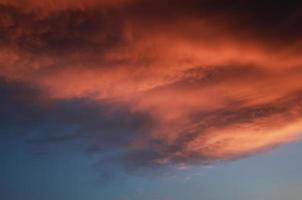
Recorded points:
(165,82)
(47,7)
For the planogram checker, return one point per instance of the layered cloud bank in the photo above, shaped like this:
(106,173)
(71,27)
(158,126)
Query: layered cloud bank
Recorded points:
(164,81)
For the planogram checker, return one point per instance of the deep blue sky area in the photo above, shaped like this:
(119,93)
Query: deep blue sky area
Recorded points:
(65,172)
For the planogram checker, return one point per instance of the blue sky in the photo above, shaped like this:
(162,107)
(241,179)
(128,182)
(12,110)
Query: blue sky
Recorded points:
(65,172)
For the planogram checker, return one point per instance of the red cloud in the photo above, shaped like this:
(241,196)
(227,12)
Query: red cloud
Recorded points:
(214,90)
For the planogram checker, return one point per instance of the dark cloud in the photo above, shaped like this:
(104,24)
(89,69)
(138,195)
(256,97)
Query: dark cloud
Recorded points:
(101,28)
(61,32)
(275,22)
(105,124)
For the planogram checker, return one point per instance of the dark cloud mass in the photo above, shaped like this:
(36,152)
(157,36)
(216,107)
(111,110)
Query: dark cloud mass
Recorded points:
(166,82)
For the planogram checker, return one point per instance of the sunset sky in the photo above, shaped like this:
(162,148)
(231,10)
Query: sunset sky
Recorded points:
(150,100)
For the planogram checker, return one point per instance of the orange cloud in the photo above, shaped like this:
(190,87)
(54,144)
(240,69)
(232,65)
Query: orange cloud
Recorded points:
(214,90)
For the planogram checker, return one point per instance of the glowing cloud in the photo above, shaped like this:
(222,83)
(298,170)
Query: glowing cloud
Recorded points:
(211,83)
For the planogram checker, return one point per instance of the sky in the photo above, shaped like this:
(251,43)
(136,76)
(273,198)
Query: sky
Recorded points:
(150,99)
